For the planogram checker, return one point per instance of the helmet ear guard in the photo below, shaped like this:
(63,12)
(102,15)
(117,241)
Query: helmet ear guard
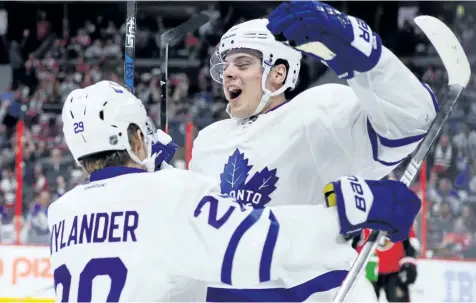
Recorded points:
(255,35)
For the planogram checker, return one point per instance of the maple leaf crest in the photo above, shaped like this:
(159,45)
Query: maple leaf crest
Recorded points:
(235,172)
(264,183)
(256,191)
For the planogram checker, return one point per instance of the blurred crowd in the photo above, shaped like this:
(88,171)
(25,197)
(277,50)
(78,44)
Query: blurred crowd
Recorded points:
(451,165)
(49,63)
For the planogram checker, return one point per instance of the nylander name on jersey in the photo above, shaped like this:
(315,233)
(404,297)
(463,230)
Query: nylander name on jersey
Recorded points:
(254,192)
(117,226)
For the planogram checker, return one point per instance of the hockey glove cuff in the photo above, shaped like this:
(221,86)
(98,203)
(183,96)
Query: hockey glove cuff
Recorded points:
(345,43)
(385,205)
(162,152)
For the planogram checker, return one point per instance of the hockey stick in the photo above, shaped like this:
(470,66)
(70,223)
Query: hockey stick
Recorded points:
(130,46)
(171,38)
(459,71)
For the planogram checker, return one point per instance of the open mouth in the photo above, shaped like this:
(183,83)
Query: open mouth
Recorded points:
(234,92)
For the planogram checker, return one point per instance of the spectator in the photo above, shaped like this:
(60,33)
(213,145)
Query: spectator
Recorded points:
(440,222)
(112,50)
(8,183)
(468,217)
(445,192)
(95,51)
(466,140)
(43,27)
(443,155)
(57,165)
(457,241)
(60,188)
(41,182)
(7,220)
(466,180)
(38,219)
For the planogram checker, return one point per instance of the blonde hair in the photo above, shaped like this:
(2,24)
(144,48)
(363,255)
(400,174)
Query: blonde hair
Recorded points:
(111,158)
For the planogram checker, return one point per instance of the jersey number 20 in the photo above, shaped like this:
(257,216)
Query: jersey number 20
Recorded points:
(112,267)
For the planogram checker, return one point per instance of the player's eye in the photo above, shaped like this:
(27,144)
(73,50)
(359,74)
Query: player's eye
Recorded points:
(240,66)
(243,65)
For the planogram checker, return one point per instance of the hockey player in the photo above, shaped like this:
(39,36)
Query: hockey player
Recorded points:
(271,147)
(135,235)
(397,267)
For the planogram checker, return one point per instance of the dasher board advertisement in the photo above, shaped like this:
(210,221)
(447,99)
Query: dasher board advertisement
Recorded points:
(26,275)
(445,281)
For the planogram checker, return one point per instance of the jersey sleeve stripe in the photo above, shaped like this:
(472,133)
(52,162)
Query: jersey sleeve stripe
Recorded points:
(399,142)
(246,224)
(268,249)
(433,97)
(374,143)
(393,143)
(376,139)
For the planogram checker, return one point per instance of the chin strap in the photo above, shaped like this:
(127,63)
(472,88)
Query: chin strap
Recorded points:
(267,94)
(264,101)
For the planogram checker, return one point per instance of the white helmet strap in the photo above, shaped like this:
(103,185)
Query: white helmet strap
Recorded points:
(133,156)
(148,162)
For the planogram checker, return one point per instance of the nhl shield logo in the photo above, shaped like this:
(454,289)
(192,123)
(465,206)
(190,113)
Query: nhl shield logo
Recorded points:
(113,140)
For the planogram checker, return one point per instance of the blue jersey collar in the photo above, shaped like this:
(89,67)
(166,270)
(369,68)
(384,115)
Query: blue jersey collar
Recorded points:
(276,107)
(113,171)
(253,118)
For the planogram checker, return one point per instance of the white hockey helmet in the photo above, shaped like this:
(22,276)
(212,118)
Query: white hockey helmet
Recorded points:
(96,118)
(255,35)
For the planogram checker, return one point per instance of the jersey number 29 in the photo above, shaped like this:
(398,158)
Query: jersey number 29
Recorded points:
(112,267)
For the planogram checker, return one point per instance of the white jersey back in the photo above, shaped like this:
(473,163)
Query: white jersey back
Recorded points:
(102,235)
(130,235)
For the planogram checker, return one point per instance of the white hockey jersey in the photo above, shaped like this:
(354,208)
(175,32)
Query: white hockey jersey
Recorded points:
(290,153)
(322,134)
(130,235)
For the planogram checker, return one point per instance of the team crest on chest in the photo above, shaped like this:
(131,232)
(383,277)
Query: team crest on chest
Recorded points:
(254,191)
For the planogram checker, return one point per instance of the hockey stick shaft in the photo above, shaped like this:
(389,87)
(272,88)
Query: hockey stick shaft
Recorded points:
(408,176)
(164,58)
(168,39)
(173,36)
(459,72)
(130,46)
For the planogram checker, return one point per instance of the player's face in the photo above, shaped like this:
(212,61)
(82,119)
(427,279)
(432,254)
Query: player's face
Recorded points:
(242,83)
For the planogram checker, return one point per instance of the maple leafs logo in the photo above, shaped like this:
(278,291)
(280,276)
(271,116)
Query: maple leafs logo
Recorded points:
(235,172)
(256,191)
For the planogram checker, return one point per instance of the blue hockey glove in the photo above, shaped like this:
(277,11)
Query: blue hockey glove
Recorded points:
(344,43)
(385,205)
(163,151)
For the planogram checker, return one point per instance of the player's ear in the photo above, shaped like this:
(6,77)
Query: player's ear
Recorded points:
(139,139)
(279,74)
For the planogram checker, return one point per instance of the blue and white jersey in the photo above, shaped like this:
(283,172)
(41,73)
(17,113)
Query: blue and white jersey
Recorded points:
(134,236)
(289,154)
(328,131)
